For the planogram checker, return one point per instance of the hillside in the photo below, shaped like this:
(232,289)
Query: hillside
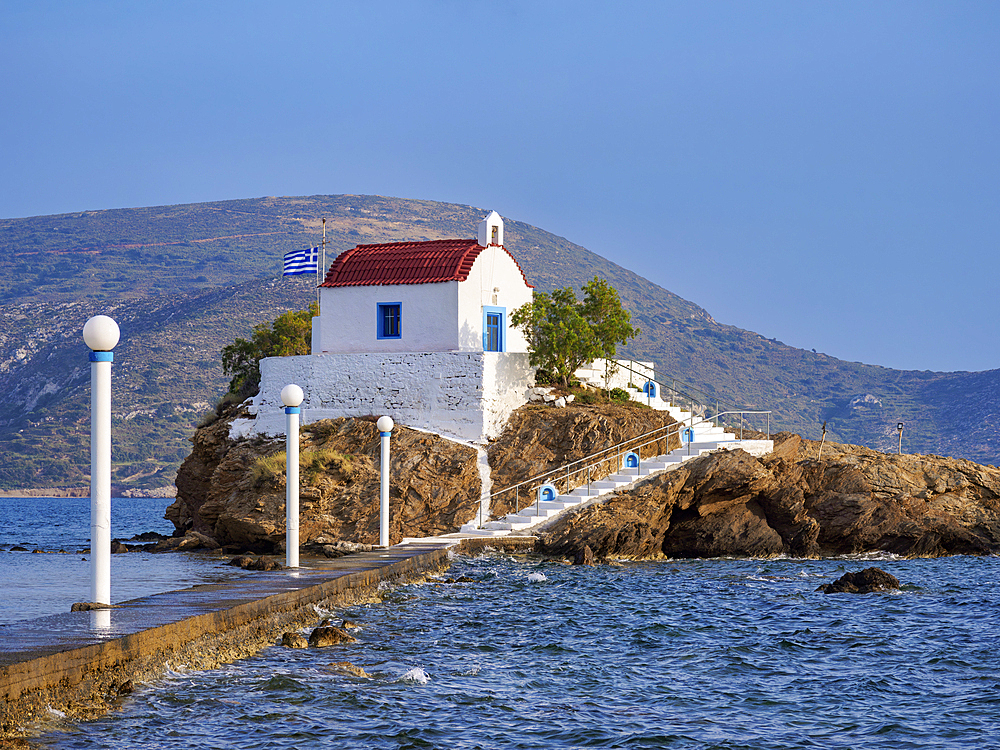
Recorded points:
(183,281)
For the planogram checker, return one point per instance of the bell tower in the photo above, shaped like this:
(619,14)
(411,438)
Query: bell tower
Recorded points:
(491,230)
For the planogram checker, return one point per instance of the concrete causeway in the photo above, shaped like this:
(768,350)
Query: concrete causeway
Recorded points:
(81,663)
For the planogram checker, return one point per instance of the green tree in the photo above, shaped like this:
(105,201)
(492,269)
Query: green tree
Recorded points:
(288,335)
(564,333)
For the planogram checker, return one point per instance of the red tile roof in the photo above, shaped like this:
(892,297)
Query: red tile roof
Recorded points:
(406,263)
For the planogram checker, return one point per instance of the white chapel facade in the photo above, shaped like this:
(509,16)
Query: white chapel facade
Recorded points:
(435,296)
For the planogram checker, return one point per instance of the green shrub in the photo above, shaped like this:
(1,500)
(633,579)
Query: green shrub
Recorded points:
(620,395)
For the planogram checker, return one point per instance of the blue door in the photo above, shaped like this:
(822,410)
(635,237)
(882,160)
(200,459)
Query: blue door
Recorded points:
(493,327)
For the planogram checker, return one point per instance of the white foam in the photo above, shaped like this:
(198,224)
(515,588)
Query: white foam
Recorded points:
(416,675)
(536,577)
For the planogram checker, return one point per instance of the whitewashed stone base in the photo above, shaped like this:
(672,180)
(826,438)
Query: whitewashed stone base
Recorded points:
(468,395)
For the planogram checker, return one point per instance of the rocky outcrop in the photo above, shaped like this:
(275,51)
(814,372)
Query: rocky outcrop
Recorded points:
(790,502)
(866,581)
(228,490)
(232,492)
(538,439)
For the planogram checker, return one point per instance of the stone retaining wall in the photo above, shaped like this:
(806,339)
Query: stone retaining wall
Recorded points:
(467,395)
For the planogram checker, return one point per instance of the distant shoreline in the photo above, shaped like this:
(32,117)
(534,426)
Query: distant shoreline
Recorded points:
(163,492)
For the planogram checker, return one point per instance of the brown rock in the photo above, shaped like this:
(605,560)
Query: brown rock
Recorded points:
(434,488)
(126,688)
(854,500)
(265,564)
(346,666)
(89,606)
(294,640)
(329,636)
(584,556)
(864,582)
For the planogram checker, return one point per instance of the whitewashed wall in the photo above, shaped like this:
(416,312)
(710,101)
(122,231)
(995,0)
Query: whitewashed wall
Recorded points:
(467,395)
(348,316)
(493,269)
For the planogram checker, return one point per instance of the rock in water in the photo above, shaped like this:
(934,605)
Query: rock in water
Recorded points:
(294,640)
(90,606)
(242,561)
(346,666)
(265,564)
(865,582)
(584,556)
(329,636)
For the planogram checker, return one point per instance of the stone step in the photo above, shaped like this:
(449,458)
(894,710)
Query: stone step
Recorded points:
(560,503)
(583,492)
(506,525)
(612,482)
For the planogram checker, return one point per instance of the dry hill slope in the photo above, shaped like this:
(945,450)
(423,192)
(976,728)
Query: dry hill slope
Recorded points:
(185,280)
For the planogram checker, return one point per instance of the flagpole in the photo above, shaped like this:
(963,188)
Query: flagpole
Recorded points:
(322,263)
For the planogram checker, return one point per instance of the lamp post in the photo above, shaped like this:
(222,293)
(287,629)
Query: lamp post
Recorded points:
(899,427)
(385,425)
(101,334)
(291,397)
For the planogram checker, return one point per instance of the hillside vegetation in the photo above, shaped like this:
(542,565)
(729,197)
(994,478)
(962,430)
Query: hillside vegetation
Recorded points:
(184,281)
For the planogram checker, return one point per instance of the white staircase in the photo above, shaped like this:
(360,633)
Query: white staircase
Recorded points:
(698,436)
(707,438)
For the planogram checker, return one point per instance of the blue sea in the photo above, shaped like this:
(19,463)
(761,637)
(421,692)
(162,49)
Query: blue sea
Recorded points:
(719,653)
(48,581)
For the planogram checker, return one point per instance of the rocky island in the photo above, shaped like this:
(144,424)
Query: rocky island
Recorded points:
(727,503)
(231,492)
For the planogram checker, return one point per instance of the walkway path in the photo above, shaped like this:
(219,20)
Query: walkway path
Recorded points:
(79,663)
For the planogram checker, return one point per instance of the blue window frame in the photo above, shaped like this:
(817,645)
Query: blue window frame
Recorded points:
(389,324)
(494,328)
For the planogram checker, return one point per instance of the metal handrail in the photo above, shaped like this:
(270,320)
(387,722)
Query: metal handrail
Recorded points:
(704,399)
(606,454)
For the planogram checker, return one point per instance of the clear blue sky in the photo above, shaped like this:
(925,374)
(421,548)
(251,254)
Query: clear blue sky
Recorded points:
(824,173)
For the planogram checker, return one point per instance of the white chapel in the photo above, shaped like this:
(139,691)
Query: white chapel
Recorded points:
(416,330)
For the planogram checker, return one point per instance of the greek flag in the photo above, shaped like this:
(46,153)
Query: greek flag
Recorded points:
(301,261)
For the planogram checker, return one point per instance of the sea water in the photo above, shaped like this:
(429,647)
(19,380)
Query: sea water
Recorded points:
(54,571)
(724,653)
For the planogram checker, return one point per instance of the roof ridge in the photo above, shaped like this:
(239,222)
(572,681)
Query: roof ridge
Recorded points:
(413,262)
